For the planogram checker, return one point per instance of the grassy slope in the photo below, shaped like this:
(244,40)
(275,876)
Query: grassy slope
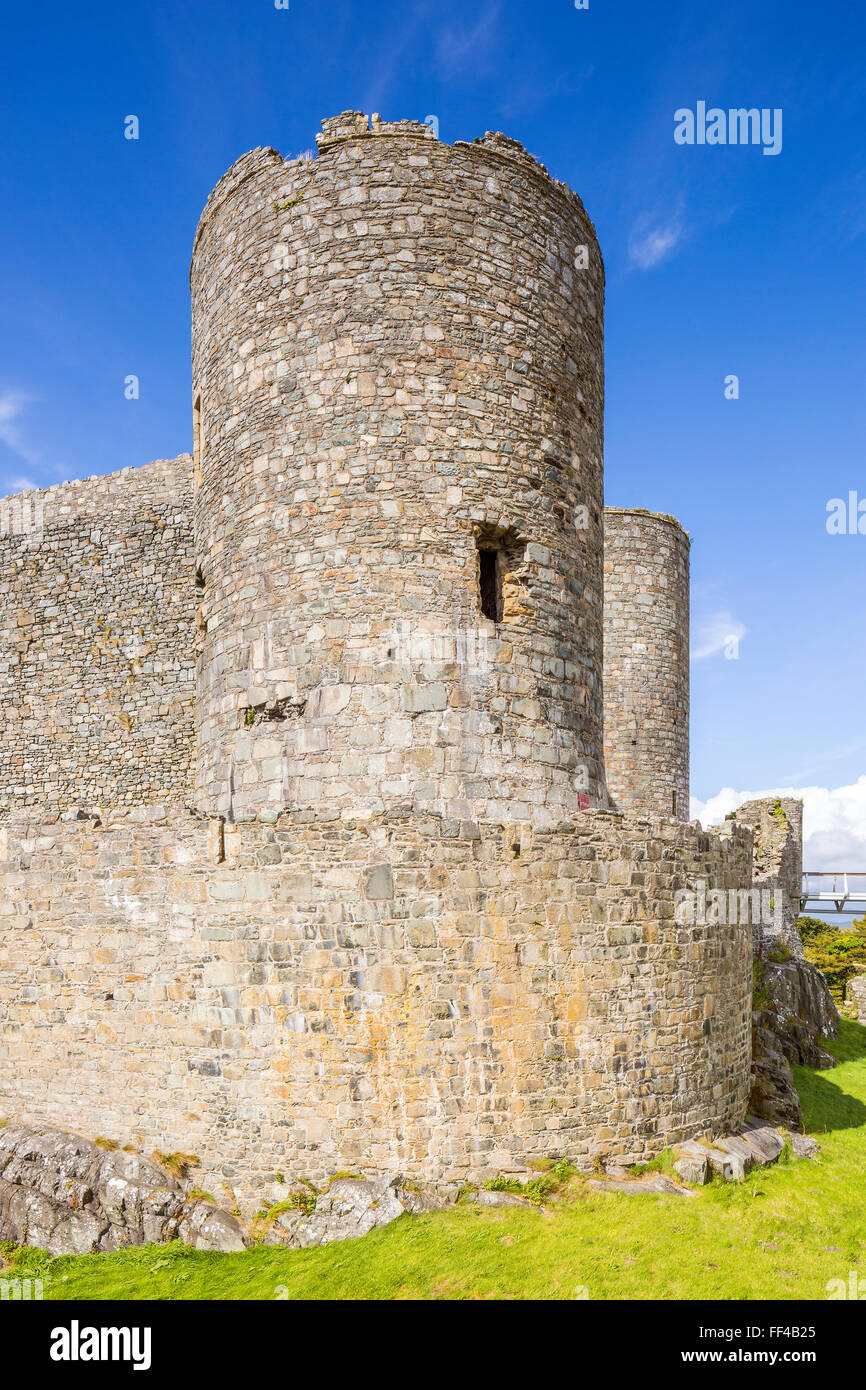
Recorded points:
(765,1238)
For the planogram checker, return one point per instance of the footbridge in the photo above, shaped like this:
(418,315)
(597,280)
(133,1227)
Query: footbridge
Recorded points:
(829,890)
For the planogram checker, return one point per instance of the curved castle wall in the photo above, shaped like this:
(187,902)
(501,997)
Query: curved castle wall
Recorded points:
(646,662)
(387,996)
(397,366)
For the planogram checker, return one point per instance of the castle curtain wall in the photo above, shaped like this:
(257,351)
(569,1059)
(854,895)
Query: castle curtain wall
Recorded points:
(96,642)
(389,995)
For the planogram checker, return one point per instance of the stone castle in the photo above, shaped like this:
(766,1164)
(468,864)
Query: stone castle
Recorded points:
(345,774)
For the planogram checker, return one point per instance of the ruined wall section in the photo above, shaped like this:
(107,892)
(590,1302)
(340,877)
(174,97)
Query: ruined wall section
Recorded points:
(646,662)
(794,1010)
(97,619)
(396,360)
(777,824)
(388,995)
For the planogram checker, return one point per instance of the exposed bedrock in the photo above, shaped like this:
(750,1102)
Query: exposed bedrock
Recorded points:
(63,1194)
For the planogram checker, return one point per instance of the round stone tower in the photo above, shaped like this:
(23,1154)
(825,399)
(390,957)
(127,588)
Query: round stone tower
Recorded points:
(397,397)
(646,662)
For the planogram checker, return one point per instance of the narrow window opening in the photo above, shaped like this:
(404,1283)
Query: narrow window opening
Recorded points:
(196,441)
(490,581)
(673,803)
(200,620)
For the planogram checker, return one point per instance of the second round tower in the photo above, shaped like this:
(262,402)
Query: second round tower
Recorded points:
(646,662)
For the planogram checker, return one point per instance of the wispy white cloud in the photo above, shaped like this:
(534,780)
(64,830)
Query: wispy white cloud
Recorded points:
(463,46)
(834,821)
(12,404)
(534,88)
(714,633)
(655,238)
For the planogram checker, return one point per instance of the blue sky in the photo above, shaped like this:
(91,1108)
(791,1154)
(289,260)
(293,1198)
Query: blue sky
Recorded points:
(720,260)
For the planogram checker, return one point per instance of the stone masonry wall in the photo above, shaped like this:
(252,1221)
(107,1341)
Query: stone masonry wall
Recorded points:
(395,927)
(402,994)
(646,662)
(97,622)
(777,824)
(397,350)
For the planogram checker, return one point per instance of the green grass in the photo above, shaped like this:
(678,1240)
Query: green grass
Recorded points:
(766,1238)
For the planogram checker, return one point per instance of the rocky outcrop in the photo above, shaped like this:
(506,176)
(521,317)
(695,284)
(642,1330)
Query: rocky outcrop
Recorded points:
(657,1183)
(797,1012)
(352,1207)
(483,1197)
(802,1011)
(67,1196)
(757,1145)
(774,1096)
(697,1161)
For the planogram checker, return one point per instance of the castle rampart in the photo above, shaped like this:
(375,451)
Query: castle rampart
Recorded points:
(394,994)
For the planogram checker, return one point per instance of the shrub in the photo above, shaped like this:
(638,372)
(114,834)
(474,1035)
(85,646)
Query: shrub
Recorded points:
(839,955)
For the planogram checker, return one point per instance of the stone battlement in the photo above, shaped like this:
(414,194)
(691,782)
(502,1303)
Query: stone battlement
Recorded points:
(163,480)
(664,517)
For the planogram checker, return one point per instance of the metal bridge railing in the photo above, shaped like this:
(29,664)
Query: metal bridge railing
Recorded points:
(835,887)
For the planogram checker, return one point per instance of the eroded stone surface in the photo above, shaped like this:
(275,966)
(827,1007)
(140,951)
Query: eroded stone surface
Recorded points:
(352,1207)
(206,1227)
(692,1164)
(484,1198)
(732,1156)
(804,1146)
(765,1143)
(62,1194)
